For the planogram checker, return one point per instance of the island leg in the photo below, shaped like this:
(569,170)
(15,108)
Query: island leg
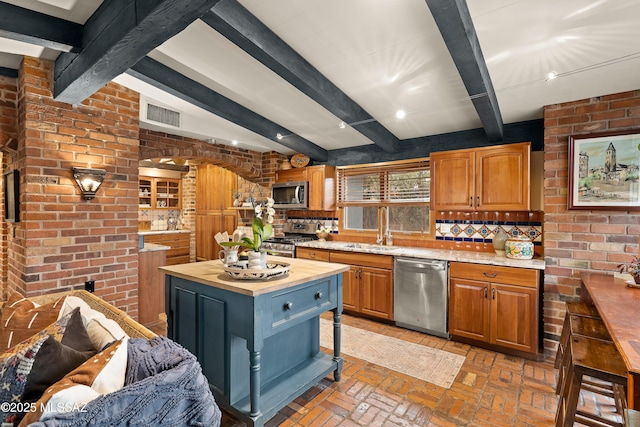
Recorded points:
(254,383)
(337,336)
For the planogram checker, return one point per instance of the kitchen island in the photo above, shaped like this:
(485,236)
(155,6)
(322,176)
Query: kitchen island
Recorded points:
(258,342)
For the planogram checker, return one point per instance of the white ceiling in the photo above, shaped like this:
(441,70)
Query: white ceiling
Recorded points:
(388,55)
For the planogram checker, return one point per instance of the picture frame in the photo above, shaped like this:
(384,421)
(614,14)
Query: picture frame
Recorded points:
(604,171)
(12,196)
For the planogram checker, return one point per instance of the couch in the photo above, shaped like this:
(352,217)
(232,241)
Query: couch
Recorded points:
(71,359)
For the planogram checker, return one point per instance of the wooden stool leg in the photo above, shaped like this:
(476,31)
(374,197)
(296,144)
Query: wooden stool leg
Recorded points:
(564,341)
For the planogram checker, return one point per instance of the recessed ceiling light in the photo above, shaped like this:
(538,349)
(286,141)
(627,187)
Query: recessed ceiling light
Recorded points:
(234,142)
(400,114)
(342,125)
(552,75)
(279,135)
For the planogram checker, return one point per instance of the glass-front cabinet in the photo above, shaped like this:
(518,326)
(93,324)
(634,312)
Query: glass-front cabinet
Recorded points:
(159,193)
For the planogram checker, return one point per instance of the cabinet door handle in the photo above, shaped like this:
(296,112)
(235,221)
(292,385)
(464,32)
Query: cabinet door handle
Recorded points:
(493,293)
(478,201)
(485,293)
(318,295)
(471,201)
(288,306)
(491,275)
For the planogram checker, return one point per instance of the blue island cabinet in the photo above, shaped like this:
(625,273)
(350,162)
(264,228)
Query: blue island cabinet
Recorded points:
(259,348)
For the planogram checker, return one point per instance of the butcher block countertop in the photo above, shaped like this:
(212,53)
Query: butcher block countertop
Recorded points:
(212,273)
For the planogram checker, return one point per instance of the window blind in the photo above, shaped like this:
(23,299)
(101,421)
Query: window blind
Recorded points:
(384,183)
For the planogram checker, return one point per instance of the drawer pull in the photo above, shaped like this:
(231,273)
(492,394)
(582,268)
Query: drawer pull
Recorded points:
(318,295)
(288,305)
(492,275)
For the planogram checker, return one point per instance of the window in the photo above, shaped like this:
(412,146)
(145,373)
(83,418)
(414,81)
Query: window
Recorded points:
(385,197)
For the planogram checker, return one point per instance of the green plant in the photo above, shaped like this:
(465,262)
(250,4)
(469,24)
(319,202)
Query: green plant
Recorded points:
(261,228)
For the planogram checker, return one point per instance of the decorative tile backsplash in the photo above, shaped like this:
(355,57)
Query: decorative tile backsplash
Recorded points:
(159,217)
(483,231)
(328,222)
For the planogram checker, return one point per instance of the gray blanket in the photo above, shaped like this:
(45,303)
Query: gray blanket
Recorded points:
(164,386)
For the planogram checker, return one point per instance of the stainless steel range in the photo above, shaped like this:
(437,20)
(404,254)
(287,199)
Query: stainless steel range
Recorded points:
(286,245)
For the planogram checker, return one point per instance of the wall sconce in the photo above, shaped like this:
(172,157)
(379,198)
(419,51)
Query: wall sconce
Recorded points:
(89,181)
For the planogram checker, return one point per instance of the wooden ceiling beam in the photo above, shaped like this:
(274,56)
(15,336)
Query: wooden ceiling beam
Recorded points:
(115,37)
(237,24)
(455,24)
(170,81)
(28,26)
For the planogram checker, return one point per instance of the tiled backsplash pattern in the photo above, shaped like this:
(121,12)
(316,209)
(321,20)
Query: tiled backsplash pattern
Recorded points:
(328,222)
(482,227)
(480,232)
(159,217)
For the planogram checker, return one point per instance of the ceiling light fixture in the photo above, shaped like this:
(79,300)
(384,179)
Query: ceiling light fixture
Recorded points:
(234,142)
(400,114)
(279,135)
(342,125)
(552,75)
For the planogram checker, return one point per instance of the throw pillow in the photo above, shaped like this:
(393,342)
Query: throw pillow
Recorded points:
(102,374)
(56,359)
(14,371)
(102,331)
(21,319)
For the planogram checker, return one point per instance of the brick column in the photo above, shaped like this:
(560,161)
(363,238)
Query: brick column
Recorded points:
(63,240)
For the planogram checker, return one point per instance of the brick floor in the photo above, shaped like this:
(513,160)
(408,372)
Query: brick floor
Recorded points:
(491,389)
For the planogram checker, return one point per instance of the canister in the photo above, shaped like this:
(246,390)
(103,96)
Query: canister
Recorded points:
(518,247)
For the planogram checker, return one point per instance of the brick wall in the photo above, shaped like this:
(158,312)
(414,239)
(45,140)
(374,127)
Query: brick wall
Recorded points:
(8,140)
(62,239)
(581,240)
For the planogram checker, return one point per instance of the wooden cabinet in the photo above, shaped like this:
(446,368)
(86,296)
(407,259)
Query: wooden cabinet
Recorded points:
(485,179)
(151,290)
(495,306)
(321,179)
(367,288)
(159,193)
(322,192)
(368,285)
(214,194)
(295,174)
(312,253)
(180,244)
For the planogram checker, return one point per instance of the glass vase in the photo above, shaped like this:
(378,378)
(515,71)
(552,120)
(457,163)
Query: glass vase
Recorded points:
(257,260)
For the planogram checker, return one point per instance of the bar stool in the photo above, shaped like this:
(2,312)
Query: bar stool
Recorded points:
(587,327)
(573,309)
(595,359)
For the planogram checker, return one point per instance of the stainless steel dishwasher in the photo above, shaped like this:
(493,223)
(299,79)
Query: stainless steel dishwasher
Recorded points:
(421,295)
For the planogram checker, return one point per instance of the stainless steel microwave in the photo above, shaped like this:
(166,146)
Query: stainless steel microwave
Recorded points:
(290,195)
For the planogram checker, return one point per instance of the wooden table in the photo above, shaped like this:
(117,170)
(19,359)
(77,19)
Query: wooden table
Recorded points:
(619,307)
(258,342)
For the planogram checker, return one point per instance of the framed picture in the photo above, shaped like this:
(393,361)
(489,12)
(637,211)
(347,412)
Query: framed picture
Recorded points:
(12,196)
(603,171)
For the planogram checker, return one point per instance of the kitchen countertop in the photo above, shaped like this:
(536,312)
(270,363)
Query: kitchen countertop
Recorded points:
(152,247)
(487,258)
(148,232)
(212,273)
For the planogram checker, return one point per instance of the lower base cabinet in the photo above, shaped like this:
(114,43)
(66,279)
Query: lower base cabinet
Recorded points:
(367,286)
(180,244)
(495,307)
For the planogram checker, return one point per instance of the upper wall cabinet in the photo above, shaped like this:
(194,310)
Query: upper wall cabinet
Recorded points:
(159,193)
(321,178)
(493,178)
